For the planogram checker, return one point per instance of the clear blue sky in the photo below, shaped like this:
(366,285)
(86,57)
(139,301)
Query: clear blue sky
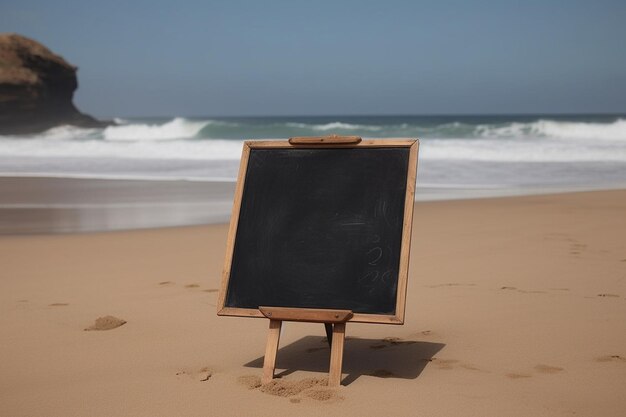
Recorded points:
(337,57)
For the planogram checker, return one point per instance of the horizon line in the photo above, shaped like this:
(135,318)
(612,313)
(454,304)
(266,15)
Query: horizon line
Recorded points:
(259,116)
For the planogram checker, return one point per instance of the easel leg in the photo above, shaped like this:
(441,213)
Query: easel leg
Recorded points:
(336,354)
(269,362)
(329,333)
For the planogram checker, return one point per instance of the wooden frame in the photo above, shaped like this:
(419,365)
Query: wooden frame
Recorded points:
(412,144)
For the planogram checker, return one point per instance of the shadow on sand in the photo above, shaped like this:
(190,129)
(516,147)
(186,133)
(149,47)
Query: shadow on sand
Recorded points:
(382,358)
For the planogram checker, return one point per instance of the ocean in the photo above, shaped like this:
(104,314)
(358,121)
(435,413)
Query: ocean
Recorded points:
(459,157)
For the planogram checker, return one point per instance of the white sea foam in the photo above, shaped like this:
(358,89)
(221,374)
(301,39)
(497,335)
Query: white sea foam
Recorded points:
(614,131)
(127,149)
(524,150)
(68,133)
(334,126)
(556,129)
(178,128)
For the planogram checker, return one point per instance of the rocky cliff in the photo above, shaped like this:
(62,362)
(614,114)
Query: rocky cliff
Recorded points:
(36,88)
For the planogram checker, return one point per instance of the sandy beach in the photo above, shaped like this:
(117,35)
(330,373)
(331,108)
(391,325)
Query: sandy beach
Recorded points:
(515,307)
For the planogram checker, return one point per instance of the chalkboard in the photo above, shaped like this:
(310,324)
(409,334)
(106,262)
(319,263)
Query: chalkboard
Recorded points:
(321,227)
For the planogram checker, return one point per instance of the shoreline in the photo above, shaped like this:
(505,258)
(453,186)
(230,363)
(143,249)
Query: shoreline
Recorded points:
(57,205)
(33,205)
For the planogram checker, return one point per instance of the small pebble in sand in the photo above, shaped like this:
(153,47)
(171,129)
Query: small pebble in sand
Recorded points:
(106,323)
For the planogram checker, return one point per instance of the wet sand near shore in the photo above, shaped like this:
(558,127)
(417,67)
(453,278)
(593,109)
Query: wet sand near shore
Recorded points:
(31,205)
(37,205)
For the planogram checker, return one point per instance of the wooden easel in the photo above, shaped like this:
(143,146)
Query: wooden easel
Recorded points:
(335,319)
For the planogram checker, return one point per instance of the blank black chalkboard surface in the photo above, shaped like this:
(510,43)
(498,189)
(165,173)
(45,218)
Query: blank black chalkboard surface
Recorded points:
(321,225)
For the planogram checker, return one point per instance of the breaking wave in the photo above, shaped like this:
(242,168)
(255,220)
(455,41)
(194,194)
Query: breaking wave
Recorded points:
(556,129)
(335,126)
(178,128)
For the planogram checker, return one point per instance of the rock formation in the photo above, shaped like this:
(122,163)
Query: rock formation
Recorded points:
(36,88)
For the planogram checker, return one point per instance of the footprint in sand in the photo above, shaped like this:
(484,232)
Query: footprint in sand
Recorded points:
(391,341)
(547,369)
(58,304)
(611,358)
(395,341)
(609,295)
(166,283)
(445,364)
(515,375)
(424,333)
(202,375)
(577,248)
(211,290)
(106,323)
(523,291)
(544,369)
(448,364)
(192,286)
